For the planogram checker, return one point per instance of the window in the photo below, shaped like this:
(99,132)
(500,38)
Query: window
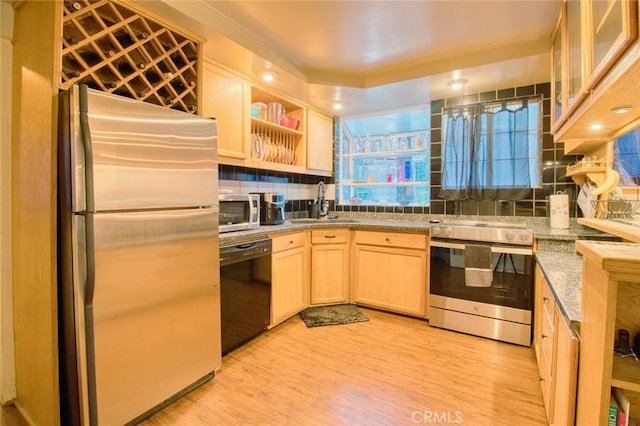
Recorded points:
(384,159)
(491,151)
(627,158)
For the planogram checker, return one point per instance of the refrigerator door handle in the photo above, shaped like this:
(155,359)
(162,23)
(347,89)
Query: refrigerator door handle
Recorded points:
(90,285)
(88,149)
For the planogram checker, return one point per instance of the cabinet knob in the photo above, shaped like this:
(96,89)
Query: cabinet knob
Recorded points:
(544,336)
(388,240)
(545,299)
(541,379)
(291,242)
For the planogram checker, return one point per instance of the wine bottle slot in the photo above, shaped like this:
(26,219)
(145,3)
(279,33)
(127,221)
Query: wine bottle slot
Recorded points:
(124,38)
(71,40)
(71,73)
(73,6)
(192,108)
(109,84)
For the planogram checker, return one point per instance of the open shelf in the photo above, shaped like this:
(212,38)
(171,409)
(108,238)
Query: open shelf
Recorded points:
(593,169)
(626,373)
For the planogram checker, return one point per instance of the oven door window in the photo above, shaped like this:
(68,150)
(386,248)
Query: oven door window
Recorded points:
(233,212)
(511,284)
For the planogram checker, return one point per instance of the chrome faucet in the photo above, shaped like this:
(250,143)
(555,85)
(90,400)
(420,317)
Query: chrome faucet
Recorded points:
(323,204)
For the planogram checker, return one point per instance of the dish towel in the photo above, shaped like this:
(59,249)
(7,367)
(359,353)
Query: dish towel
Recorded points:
(478,267)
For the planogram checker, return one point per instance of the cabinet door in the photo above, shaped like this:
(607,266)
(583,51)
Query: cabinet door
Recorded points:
(319,142)
(390,278)
(574,57)
(329,274)
(613,28)
(537,325)
(565,376)
(225,97)
(289,277)
(557,71)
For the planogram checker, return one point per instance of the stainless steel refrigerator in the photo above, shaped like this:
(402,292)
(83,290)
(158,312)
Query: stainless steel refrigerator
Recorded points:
(139,294)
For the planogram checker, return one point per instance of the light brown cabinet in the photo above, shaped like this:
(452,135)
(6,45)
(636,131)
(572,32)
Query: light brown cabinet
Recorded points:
(610,302)
(593,71)
(319,143)
(390,271)
(556,348)
(225,97)
(289,276)
(565,372)
(329,266)
(301,144)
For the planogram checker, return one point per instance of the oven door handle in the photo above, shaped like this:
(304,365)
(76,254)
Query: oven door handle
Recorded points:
(494,249)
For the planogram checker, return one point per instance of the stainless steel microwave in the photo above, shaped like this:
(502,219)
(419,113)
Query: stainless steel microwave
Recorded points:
(238,212)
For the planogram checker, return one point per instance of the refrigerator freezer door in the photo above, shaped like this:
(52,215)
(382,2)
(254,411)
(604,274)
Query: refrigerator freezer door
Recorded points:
(142,156)
(154,318)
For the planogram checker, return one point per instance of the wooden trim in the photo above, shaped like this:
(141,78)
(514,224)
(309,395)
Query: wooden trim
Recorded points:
(34,193)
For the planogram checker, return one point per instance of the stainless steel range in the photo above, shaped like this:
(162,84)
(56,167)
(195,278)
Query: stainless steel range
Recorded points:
(482,279)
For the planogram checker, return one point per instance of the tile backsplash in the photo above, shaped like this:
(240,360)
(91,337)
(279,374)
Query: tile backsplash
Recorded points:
(300,189)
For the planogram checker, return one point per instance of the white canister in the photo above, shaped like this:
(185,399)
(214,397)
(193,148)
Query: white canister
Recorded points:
(559,211)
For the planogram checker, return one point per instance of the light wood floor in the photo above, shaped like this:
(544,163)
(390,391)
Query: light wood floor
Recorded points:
(391,370)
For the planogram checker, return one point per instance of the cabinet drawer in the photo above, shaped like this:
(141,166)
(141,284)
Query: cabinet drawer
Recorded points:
(547,340)
(387,239)
(329,236)
(289,241)
(548,302)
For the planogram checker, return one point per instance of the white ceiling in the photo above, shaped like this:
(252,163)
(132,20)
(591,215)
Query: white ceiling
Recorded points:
(375,55)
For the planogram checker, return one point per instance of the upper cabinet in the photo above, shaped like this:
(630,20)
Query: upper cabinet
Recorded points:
(264,130)
(594,65)
(319,143)
(225,97)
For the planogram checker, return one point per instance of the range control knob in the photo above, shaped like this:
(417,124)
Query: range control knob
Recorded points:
(435,230)
(509,235)
(448,231)
(523,236)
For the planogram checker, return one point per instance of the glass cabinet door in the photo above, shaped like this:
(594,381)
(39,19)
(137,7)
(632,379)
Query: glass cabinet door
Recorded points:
(612,31)
(558,69)
(574,52)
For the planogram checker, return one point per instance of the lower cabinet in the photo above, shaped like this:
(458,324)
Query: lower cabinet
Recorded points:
(390,271)
(289,276)
(329,266)
(556,347)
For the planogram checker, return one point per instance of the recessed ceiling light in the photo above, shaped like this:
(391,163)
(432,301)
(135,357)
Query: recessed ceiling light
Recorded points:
(457,83)
(596,126)
(337,105)
(622,109)
(268,75)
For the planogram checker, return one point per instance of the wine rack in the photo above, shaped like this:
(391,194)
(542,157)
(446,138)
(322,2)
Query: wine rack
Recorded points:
(112,47)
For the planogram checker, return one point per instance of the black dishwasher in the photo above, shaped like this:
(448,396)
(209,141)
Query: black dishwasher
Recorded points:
(245,291)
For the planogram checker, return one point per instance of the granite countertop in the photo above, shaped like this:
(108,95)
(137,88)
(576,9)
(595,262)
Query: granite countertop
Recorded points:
(563,271)
(555,254)
(417,223)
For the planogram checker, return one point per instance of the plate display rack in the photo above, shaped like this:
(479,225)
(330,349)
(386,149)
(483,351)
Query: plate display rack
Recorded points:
(114,48)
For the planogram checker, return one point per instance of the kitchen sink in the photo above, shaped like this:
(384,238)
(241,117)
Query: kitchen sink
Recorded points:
(331,220)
